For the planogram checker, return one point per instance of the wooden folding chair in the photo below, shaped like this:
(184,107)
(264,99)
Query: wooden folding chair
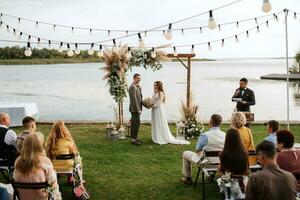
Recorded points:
(28,186)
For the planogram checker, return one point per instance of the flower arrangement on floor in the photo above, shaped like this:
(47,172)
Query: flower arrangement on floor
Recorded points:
(148,58)
(193,128)
(116,61)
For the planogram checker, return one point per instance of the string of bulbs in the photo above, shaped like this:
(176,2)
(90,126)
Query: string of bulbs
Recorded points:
(266,7)
(70,52)
(20,33)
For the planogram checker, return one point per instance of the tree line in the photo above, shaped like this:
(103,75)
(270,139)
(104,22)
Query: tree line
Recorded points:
(17,52)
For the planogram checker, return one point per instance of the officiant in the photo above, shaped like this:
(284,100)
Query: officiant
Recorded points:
(244,97)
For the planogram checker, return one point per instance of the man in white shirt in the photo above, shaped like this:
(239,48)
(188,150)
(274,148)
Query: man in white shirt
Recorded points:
(8,138)
(212,140)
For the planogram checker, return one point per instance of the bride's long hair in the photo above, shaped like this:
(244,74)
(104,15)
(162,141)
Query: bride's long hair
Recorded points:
(160,88)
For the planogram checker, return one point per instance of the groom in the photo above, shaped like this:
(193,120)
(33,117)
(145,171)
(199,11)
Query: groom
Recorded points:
(135,108)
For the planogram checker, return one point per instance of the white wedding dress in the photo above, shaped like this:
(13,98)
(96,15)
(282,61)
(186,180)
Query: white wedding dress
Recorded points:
(160,130)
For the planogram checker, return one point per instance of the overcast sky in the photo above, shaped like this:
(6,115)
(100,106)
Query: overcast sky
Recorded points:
(141,14)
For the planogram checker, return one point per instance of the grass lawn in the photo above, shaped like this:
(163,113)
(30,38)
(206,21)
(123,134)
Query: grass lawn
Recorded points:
(119,170)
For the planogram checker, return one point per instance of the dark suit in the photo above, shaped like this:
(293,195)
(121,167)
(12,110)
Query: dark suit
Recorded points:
(246,95)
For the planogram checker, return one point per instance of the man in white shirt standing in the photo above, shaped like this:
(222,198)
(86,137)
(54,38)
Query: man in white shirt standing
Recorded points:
(8,139)
(212,140)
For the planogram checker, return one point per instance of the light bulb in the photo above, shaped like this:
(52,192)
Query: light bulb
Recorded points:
(153,54)
(247,34)
(15,33)
(36,24)
(295,15)
(223,43)
(91,31)
(19,20)
(266,7)
(267,24)
(256,22)
(70,52)
(49,45)
(90,51)
(182,32)
(72,30)
(77,51)
(201,30)
(211,21)
(209,47)
(108,33)
(219,27)
(54,27)
(141,43)
(20,36)
(100,54)
(28,52)
(168,34)
(192,50)
(145,34)
(237,24)
(236,38)
(60,49)
(175,52)
(257,29)
(126,33)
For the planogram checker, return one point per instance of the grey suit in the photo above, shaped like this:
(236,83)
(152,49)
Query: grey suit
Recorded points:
(135,107)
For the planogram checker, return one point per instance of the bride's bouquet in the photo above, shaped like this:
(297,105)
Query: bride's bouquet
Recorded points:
(148,102)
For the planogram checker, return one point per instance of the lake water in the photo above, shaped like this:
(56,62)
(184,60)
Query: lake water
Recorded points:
(77,92)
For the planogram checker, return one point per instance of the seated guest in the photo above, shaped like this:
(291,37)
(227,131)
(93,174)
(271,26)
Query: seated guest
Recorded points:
(288,158)
(271,182)
(8,139)
(234,157)
(60,142)
(212,140)
(234,160)
(34,167)
(29,126)
(272,127)
(238,121)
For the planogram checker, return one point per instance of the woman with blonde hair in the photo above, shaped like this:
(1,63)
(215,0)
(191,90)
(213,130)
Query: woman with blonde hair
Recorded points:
(60,142)
(160,130)
(32,166)
(238,121)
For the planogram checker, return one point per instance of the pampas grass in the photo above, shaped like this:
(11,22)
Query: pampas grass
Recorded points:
(189,113)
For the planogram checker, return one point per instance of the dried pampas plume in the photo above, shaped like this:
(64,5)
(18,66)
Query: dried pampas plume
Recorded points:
(189,113)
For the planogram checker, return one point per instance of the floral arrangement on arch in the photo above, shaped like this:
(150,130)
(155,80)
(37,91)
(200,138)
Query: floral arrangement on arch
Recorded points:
(148,58)
(193,127)
(116,61)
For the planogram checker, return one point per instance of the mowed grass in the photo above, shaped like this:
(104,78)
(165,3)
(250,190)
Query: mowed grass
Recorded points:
(119,170)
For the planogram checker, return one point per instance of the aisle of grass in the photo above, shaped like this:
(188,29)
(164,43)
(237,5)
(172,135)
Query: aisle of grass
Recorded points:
(118,170)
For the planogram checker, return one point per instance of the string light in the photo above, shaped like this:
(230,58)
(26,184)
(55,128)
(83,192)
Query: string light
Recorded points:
(49,44)
(77,51)
(141,41)
(175,52)
(267,24)
(39,43)
(114,43)
(256,22)
(72,30)
(219,27)
(153,54)
(182,32)
(275,17)
(70,52)
(29,38)
(168,34)
(126,33)
(128,52)
(28,51)
(222,44)
(237,24)
(15,33)
(36,24)
(1,15)
(209,46)
(19,20)
(211,21)
(201,30)
(60,48)
(108,33)
(236,38)
(1,23)
(100,52)
(91,50)
(54,27)
(266,7)
(193,49)
(295,15)
(145,34)
(91,31)
(257,29)
(247,34)
(7,28)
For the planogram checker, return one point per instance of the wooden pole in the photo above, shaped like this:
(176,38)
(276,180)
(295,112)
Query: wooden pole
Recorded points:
(120,114)
(188,89)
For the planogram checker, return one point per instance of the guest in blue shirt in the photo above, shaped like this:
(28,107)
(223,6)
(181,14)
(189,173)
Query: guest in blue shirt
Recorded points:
(272,127)
(4,194)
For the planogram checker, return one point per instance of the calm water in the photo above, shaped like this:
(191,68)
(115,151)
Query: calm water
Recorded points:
(77,91)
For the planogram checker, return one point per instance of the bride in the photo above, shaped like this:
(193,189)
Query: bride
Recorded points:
(160,130)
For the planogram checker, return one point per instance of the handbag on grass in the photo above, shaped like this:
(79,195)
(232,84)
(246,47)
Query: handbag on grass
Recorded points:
(81,193)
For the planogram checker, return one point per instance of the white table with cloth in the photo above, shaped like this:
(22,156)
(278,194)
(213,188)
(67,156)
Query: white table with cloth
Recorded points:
(17,111)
